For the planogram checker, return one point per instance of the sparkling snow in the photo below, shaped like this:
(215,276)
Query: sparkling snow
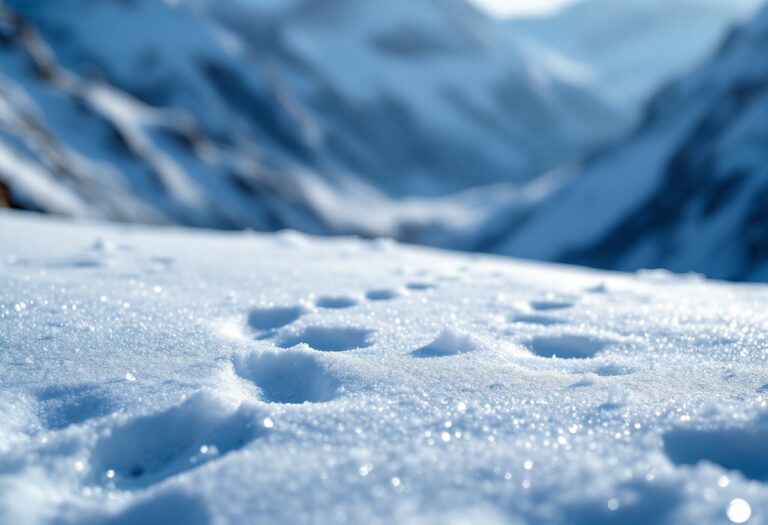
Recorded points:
(166,376)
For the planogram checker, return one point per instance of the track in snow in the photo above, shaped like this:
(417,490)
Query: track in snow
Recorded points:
(153,376)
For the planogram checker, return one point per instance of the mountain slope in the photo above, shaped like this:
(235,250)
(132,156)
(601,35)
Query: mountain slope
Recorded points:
(270,115)
(77,145)
(432,63)
(687,191)
(630,48)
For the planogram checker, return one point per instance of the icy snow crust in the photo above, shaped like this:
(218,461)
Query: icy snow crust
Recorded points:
(198,378)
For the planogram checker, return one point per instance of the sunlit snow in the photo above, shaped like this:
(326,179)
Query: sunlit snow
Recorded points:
(169,376)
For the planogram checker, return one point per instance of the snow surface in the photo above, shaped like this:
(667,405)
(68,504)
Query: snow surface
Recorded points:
(172,376)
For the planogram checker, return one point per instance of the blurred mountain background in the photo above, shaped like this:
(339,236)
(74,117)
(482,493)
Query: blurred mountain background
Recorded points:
(620,134)
(629,49)
(686,190)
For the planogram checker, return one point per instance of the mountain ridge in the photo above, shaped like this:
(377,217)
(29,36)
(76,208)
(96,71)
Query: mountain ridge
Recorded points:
(685,191)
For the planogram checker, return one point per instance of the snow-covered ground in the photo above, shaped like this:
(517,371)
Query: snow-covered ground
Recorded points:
(170,376)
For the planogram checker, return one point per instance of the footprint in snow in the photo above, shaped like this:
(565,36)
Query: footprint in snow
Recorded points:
(64,405)
(567,346)
(544,320)
(447,343)
(336,303)
(267,319)
(146,450)
(420,286)
(328,339)
(641,501)
(86,262)
(738,448)
(288,376)
(549,304)
(384,294)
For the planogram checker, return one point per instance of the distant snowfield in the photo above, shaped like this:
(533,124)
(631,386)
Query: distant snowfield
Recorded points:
(167,376)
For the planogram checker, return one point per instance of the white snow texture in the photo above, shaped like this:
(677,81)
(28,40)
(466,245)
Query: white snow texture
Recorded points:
(166,376)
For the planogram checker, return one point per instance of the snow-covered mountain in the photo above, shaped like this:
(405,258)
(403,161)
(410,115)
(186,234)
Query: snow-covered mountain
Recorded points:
(629,48)
(371,68)
(687,191)
(313,114)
